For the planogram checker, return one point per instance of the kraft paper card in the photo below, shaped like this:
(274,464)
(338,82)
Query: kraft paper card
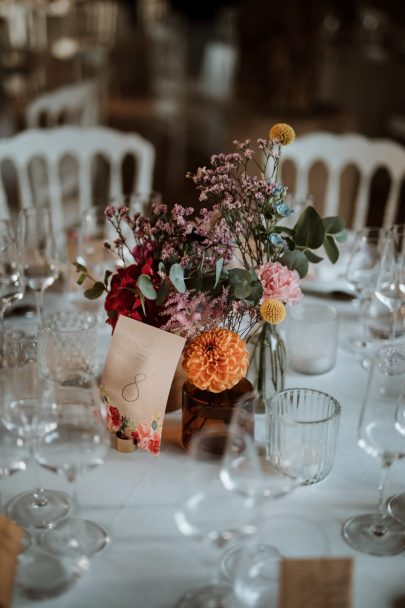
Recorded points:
(136,381)
(10,546)
(316,583)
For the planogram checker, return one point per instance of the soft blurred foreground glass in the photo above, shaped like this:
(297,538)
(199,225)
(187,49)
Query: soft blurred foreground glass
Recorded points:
(210,511)
(94,231)
(38,250)
(67,346)
(303,426)
(28,412)
(361,274)
(312,338)
(379,436)
(252,568)
(77,444)
(11,274)
(390,285)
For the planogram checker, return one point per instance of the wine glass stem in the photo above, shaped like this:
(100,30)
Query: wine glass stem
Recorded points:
(39,302)
(394,316)
(365,305)
(380,528)
(40,499)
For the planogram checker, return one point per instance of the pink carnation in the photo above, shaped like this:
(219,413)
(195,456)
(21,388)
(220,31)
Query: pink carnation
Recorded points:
(279,282)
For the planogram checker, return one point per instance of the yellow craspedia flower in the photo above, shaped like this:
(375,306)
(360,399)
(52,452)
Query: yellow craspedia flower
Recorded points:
(273,311)
(283,133)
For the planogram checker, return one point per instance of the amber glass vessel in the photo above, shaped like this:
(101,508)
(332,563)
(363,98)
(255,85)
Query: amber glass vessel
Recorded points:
(201,408)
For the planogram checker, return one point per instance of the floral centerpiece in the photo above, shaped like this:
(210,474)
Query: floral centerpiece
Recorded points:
(221,275)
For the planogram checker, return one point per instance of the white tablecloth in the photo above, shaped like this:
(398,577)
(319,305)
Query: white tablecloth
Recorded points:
(149,564)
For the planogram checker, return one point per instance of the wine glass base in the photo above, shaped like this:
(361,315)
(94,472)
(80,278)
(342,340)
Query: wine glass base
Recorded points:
(258,554)
(209,596)
(41,575)
(396,507)
(73,537)
(26,512)
(358,532)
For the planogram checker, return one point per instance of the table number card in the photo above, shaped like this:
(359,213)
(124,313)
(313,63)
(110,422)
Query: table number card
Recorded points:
(10,546)
(136,381)
(316,583)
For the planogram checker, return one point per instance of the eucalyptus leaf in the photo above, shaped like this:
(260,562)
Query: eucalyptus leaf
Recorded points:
(162,293)
(309,230)
(256,292)
(95,291)
(107,275)
(79,267)
(177,277)
(341,237)
(162,267)
(299,262)
(312,257)
(146,288)
(331,248)
(142,298)
(82,278)
(284,230)
(333,225)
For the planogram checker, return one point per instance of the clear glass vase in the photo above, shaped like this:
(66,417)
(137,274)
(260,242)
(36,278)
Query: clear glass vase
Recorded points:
(268,362)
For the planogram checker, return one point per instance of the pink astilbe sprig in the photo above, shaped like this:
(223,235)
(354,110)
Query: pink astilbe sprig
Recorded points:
(192,313)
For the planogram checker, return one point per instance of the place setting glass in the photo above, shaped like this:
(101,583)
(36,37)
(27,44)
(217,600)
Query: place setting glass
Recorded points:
(381,434)
(27,413)
(38,250)
(362,274)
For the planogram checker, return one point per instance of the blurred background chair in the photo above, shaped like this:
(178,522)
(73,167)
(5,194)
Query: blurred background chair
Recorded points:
(336,153)
(112,150)
(75,104)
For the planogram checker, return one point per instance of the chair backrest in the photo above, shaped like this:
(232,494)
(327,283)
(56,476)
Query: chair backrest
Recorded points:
(336,152)
(83,145)
(76,104)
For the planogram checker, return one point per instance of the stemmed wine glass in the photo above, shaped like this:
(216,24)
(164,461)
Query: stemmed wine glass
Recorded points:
(396,504)
(390,287)
(210,512)
(28,412)
(265,481)
(11,274)
(38,251)
(78,443)
(378,435)
(361,274)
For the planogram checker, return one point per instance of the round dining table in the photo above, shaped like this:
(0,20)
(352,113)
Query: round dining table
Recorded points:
(149,564)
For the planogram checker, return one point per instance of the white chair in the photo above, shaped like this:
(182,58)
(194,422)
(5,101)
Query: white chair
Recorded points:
(83,145)
(336,152)
(76,104)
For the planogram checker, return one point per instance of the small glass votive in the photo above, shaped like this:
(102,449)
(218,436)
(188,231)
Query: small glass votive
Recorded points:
(312,338)
(67,346)
(302,426)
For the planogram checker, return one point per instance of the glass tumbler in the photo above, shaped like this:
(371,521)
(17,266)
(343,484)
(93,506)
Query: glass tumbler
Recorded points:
(303,426)
(312,338)
(67,346)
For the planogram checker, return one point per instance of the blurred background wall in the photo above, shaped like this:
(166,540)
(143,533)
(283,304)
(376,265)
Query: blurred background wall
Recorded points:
(194,76)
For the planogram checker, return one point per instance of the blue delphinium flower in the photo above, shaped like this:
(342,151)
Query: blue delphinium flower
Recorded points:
(283,209)
(276,240)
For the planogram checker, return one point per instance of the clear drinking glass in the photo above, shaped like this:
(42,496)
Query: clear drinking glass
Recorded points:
(390,285)
(12,285)
(303,427)
(378,435)
(77,444)
(38,251)
(27,413)
(67,346)
(312,338)
(208,510)
(361,274)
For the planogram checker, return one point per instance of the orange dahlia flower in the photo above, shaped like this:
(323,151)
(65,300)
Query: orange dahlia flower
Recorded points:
(216,360)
